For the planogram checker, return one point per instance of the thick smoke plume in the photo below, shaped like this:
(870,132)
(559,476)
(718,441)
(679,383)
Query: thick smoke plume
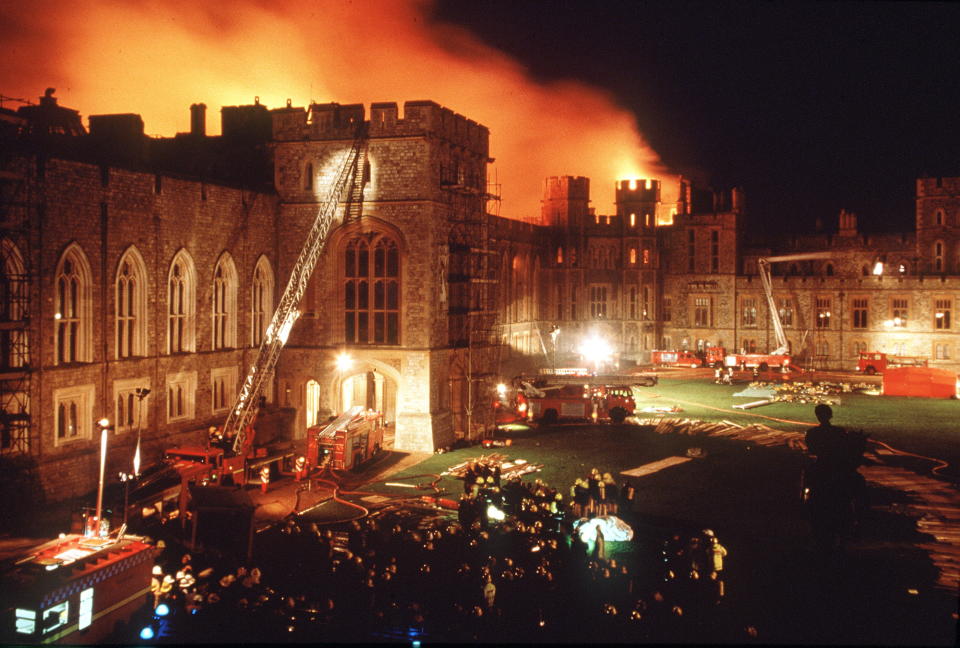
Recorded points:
(157,57)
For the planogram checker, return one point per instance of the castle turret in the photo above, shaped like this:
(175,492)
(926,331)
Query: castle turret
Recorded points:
(566,201)
(637,202)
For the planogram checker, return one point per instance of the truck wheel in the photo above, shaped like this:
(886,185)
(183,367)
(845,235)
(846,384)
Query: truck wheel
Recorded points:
(550,416)
(764,366)
(870,370)
(618,415)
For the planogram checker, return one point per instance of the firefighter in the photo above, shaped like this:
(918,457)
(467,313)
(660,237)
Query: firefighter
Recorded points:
(300,468)
(264,478)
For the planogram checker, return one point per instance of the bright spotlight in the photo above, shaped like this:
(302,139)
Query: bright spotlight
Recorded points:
(162,610)
(344,361)
(147,633)
(596,350)
(493,513)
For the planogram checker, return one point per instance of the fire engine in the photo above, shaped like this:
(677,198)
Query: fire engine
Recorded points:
(676,359)
(551,403)
(712,356)
(347,441)
(873,362)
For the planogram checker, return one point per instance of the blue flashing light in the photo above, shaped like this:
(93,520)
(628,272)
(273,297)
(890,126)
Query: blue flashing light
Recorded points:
(162,610)
(147,633)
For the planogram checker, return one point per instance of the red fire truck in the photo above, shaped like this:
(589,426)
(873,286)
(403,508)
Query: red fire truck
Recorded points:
(347,441)
(873,362)
(552,403)
(675,359)
(712,356)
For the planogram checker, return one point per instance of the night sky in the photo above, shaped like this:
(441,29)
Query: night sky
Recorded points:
(811,107)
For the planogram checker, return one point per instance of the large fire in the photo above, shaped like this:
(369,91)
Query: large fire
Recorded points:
(157,57)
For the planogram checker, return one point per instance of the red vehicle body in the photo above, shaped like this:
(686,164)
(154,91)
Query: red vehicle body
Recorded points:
(712,356)
(552,403)
(761,361)
(675,359)
(349,440)
(873,362)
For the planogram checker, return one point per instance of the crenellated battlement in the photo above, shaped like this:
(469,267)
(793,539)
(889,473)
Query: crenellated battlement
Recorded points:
(334,121)
(638,190)
(930,187)
(566,188)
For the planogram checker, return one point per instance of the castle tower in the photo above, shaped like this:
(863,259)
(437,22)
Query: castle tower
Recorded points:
(938,229)
(566,201)
(637,202)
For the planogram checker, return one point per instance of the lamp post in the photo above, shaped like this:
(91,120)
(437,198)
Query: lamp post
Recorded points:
(104,425)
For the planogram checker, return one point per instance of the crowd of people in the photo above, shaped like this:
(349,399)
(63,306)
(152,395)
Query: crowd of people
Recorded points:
(394,575)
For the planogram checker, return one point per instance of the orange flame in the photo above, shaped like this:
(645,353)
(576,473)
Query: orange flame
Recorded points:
(157,57)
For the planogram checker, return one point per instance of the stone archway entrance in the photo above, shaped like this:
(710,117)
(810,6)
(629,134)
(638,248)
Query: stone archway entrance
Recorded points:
(372,390)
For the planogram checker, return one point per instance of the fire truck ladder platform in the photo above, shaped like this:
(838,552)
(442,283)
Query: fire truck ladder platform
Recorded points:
(245,410)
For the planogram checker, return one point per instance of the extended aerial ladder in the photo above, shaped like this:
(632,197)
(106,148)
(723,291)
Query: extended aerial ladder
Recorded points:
(244,411)
(763,265)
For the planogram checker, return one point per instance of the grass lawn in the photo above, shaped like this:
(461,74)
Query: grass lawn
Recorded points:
(925,426)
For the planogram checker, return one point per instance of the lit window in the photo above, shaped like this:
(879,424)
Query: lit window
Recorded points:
(261,301)
(26,621)
(899,311)
(701,311)
(131,305)
(748,315)
(86,609)
(823,313)
(74,316)
(646,256)
(181,287)
(224,304)
(633,220)
(785,310)
(633,256)
(598,301)
(941,316)
(372,290)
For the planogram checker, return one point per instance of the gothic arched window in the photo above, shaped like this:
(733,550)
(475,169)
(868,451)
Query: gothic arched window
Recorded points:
(224,303)
(131,305)
(181,291)
(371,283)
(74,309)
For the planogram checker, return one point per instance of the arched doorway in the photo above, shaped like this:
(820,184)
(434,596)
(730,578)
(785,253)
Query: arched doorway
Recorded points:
(312,403)
(371,390)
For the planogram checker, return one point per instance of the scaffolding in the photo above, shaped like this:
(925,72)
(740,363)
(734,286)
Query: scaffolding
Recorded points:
(473,309)
(16,432)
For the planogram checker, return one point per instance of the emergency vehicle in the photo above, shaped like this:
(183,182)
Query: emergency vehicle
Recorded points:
(552,403)
(675,359)
(873,362)
(712,356)
(347,441)
(75,589)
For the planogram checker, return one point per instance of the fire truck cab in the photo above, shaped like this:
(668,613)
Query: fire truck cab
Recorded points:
(873,362)
(347,441)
